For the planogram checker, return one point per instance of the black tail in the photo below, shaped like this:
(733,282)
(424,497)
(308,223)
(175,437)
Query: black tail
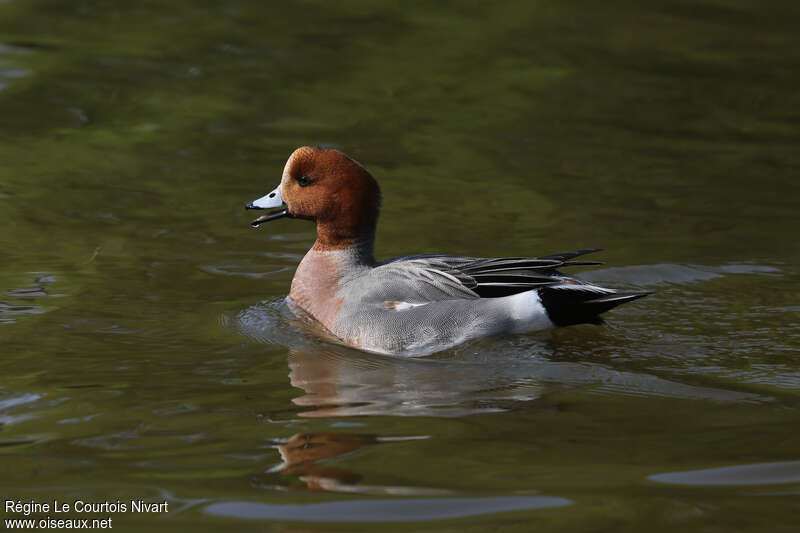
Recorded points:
(579,304)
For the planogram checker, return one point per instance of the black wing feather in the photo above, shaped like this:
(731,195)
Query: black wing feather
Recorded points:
(496,277)
(566,299)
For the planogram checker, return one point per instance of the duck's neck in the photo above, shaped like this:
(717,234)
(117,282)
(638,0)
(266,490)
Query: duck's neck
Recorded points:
(357,247)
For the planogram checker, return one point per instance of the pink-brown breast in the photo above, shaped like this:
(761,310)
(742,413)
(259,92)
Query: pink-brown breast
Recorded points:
(315,286)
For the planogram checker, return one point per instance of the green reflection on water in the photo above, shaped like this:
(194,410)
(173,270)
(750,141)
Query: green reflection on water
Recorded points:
(131,136)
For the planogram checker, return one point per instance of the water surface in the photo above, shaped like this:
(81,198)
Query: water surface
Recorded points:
(146,349)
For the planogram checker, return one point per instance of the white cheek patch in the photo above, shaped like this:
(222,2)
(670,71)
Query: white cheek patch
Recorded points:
(272,199)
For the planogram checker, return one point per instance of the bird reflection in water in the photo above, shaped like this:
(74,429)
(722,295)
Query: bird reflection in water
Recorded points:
(304,454)
(487,375)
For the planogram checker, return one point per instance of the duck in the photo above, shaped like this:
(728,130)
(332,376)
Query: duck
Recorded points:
(413,305)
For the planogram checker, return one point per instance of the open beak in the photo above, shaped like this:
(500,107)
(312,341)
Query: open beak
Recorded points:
(269,201)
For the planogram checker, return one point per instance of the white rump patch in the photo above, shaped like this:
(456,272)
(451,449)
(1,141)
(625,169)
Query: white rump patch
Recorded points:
(526,311)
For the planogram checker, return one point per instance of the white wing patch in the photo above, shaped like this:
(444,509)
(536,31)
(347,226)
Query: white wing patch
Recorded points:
(401,306)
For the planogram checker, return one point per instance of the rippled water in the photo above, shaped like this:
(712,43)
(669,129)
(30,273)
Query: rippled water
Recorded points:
(148,353)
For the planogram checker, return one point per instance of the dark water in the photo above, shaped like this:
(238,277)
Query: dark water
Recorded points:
(146,352)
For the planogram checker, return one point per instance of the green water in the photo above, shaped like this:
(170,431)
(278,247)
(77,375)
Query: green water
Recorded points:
(145,351)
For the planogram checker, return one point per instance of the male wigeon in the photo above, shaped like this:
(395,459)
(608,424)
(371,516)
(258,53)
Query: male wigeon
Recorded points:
(412,305)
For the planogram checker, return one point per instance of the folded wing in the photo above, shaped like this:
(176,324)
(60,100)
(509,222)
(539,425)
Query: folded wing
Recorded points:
(457,276)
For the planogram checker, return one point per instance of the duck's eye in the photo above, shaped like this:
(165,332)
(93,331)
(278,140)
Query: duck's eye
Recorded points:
(304,180)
